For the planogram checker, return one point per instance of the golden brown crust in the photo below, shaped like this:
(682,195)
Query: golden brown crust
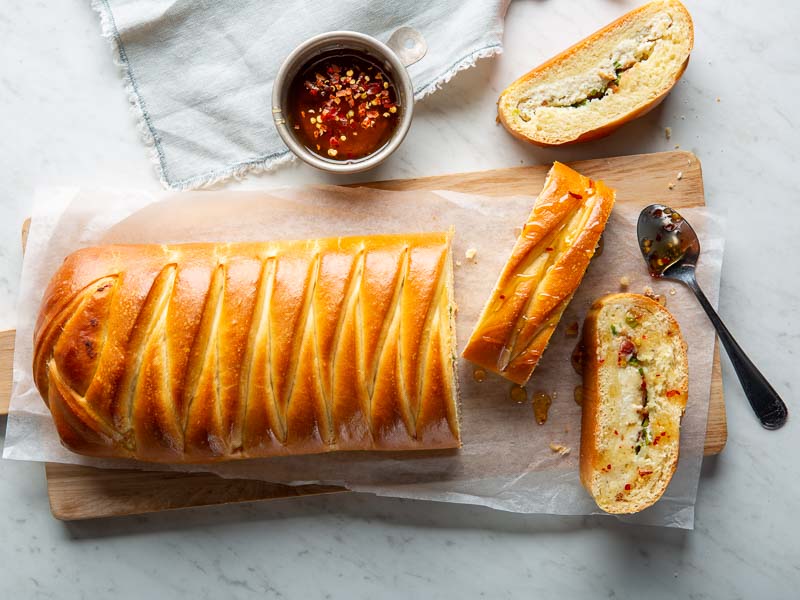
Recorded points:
(506,117)
(545,268)
(592,462)
(207,352)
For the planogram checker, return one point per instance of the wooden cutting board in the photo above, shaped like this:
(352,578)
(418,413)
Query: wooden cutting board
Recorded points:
(76,492)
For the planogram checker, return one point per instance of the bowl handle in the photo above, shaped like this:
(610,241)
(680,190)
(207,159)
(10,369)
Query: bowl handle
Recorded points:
(408,44)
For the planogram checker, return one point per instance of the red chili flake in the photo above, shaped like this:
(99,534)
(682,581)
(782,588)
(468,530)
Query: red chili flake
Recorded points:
(627,487)
(626,346)
(616,432)
(574,195)
(671,393)
(502,297)
(608,467)
(548,249)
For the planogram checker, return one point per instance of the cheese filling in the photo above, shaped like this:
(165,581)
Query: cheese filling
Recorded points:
(603,80)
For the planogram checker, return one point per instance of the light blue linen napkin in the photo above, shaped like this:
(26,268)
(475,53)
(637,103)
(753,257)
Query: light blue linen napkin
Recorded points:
(199,73)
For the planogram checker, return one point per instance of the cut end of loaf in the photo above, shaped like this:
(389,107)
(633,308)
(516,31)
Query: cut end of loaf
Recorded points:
(635,390)
(545,268)
(604,81)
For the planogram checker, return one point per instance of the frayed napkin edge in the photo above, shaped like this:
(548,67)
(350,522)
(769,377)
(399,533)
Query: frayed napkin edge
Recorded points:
(239,170)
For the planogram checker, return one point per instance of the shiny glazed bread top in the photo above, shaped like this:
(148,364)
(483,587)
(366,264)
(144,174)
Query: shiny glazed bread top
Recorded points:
(204,352)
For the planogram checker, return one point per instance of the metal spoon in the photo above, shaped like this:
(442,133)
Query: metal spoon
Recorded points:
(671,249)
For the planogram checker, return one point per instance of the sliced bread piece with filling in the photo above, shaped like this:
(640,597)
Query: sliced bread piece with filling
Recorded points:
(635,386)
(611,77)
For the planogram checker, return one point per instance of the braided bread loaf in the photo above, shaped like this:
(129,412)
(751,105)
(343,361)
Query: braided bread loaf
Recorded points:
(206,352)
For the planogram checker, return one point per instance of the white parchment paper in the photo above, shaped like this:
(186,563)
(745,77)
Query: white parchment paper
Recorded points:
(506,461)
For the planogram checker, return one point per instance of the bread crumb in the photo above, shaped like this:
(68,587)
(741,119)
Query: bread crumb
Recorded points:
(671,185)
(624,282)
(572,329)
(683,117)
(718,100)
(470,254)
(668,132)
(680,175)
(671,291)
(517,231)
(677,146)
(648,291)
(560,449)
(458,263)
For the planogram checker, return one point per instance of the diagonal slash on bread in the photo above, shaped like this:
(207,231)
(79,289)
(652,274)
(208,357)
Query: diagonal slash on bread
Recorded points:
(611,77)
(635,386)
(545,268)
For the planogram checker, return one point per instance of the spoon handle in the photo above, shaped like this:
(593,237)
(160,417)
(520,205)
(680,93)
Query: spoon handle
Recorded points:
(766,403)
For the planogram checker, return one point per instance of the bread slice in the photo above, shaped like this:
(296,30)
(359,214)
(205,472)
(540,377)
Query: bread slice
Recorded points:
(545,268)
(635,385)
(603,81)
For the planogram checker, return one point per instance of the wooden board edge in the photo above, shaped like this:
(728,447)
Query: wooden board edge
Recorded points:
(468,182)
(121,493)
(6,368)
(717,414)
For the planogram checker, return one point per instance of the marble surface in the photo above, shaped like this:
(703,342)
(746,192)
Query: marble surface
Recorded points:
(66,121)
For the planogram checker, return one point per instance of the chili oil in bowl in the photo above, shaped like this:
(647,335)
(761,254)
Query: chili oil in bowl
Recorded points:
(342,102)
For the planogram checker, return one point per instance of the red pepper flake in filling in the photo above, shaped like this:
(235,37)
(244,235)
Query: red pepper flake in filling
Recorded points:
(576,196)
(627,352)
(627,487)
(671,393)
(548,249)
